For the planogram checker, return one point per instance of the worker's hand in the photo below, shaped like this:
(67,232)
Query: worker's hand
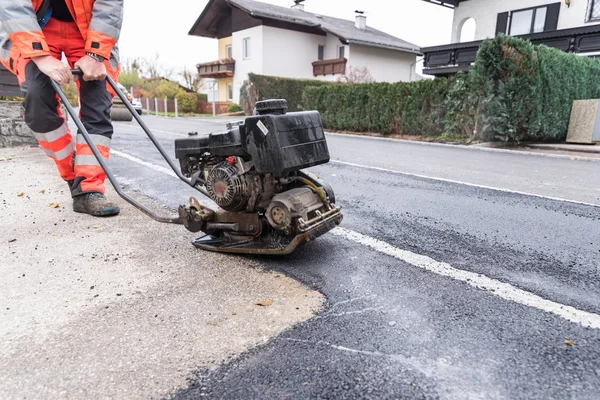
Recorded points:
(92,70)
(53,68)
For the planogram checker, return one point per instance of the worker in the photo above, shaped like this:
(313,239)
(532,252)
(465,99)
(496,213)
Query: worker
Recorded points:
(34,36)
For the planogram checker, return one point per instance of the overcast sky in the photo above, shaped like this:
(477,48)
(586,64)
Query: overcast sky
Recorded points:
(161,27)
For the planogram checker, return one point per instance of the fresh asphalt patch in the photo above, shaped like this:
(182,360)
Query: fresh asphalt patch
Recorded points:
(392,330)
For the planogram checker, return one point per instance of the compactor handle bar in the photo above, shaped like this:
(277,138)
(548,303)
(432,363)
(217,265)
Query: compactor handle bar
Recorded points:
(98,156)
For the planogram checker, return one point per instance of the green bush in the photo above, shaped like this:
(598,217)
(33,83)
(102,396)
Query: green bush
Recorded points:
(527,91)
(202,97)
(167,89)
(270,87)
(464,106)
(234,108)
(414,108)
(187,102)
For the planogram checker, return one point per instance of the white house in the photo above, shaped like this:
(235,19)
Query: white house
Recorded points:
(569,25)
(293,43)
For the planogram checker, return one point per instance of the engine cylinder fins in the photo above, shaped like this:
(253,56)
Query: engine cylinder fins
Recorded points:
(226,188)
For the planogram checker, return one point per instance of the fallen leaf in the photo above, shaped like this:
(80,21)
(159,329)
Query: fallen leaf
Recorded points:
(20,194)
(569,342)
(54,205)
(43,191)
(265,303)
(6,159)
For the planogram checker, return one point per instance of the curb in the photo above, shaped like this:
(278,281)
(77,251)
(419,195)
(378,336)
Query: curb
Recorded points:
(558,148)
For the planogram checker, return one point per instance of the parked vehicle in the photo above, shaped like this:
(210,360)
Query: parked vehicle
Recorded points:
(136,103)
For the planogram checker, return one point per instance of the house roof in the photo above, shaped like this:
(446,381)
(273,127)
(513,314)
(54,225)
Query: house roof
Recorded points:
(446,3)
(344,29)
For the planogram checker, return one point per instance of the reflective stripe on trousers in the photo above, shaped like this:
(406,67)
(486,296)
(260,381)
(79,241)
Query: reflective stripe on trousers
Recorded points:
(59,146)
(86,164)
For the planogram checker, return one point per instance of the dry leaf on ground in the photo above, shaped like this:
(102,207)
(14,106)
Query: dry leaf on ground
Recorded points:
(21,194)
(54,205)
(569,342)
(265,302)
(43,191)
(6,159)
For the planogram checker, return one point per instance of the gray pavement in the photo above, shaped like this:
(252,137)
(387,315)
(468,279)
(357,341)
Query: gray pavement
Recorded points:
(390,329)
(123,307)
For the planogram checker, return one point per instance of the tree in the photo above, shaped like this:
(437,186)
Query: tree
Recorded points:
(356,75)
(167,89)
(192,80)
(152,68)
(130,74)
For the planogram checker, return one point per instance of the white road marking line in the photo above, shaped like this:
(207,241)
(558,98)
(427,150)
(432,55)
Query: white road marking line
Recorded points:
(582,203)
(497,288)
(432,178)
(170,133)
(155,167)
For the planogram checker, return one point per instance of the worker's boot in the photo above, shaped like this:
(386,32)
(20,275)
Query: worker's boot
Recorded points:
(95,204)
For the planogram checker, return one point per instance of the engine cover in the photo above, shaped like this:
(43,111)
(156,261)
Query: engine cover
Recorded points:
(227,188)
(294,203)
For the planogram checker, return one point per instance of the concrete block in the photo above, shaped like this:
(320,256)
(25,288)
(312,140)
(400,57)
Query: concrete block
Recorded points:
(584,126)
(13,130)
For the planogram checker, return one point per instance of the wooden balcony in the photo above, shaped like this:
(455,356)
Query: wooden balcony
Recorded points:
(336,66)
(217,69)
(451,58)
(9,86)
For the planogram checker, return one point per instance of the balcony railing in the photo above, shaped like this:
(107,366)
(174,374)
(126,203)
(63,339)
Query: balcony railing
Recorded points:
(336,66)
(451,58)
(217,69)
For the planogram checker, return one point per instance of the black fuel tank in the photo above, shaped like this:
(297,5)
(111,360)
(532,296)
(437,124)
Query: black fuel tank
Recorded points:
(280,144)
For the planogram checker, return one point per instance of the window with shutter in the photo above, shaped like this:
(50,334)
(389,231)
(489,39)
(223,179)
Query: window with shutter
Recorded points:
(529,20)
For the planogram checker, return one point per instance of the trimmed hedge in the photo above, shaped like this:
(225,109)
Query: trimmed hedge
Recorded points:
(233,108)
(187,102)
(272,87)
(202,97)
(515,92)
(409,108)
(527,91)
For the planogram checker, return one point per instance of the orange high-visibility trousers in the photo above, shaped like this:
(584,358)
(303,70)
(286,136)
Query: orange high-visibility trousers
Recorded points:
(73,157)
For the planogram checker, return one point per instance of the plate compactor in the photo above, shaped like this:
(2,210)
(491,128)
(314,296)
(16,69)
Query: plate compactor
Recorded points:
(254,172)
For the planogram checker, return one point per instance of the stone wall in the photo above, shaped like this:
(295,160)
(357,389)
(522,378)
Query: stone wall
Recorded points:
(13,130)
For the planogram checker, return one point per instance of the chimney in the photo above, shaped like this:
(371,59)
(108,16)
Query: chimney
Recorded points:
(361,21)
(298,5)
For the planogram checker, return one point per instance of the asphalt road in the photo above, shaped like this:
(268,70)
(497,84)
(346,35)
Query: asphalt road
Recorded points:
(458,274)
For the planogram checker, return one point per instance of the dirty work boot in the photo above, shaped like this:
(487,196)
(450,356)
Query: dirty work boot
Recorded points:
(94,204)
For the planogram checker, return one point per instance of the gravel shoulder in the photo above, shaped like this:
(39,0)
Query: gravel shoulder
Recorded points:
(122,307)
